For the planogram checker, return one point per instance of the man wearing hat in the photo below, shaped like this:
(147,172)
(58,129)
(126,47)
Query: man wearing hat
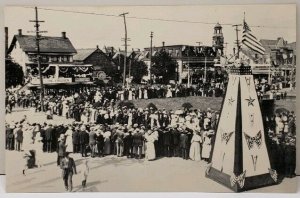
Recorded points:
(128,143)
(92,142)
(290,156)
(49,135)
(10,136)
(83,141)
(61,150)
(19,137)
(138,143)
(68,167)
(184,144)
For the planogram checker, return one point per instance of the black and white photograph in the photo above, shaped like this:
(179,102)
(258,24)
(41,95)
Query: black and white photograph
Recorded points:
(182,98)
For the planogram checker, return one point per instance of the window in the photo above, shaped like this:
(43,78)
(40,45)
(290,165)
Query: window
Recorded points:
(54,58)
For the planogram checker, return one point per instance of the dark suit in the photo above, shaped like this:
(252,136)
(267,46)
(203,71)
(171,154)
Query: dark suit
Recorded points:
(100,144)
(61,151)
(138,143)
(167,143)
(83,141)
(184,145)
(128,145)
(49,137)
(75,139)
(10,138)
(19,139)
(68,167)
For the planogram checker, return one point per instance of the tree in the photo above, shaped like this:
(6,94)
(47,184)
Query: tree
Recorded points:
(13,73)
(165,66)
(138,70)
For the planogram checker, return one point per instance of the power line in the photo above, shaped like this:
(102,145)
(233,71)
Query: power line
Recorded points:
(153,19)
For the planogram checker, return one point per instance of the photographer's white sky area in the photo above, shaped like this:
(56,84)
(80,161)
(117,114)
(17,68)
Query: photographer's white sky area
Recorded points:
(87,31)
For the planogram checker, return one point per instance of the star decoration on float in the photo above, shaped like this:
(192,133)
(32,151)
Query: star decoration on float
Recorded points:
(250,101)
(230,101)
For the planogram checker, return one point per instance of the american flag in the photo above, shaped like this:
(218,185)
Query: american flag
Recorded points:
(250,41)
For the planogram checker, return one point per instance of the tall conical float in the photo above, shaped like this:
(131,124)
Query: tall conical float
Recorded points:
(240,159)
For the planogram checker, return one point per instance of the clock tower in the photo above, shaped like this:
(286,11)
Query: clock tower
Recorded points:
(218,39)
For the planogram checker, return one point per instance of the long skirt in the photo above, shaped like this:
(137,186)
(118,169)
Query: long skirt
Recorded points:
(150,152)
(106,149)
(195,151)
(69,143)
(206,150)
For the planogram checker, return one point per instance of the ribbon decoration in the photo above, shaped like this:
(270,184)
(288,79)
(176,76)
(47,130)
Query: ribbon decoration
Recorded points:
(251,140)
(240,180)
(84,69)
(273,174)
(226,137)
(63,69)
(46,69)
(208,168)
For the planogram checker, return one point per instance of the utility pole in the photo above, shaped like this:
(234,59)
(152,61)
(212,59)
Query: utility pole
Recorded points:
(151,37)
(237,38)
(38,38)
(188,65)
(125,40)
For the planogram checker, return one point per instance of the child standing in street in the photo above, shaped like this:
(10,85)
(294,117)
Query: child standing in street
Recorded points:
(85,172)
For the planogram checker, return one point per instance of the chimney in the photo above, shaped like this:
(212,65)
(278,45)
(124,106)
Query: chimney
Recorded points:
(20,32)
(97,46)
(6,40)
(63,34)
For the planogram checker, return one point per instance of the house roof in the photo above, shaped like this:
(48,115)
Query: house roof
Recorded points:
(293,46)
(47,44)
(82,54)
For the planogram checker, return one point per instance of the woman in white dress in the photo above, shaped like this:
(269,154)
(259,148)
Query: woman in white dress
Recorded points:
(130,94)
(130,117)
(150,149)
(107,146)
(145,93)
(65,108)
(69,139)
(140,93)
(84,117)
(169,92)
(195,149)
(206,145)
(38,147)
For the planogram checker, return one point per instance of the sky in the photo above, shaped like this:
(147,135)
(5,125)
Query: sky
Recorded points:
(87,31)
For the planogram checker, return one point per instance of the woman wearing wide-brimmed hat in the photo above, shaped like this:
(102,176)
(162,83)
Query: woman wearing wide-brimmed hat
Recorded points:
(150,138)
(195,149)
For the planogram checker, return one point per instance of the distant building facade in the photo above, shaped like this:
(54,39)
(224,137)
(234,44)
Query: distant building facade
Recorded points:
(56,58)
(191,60)
(102,63)
(52,50)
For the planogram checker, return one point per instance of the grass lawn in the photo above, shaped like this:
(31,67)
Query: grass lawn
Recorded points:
(202,103)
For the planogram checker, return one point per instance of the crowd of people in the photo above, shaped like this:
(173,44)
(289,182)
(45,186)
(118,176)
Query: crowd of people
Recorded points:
(281,140)
(29,98)
(102,127)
